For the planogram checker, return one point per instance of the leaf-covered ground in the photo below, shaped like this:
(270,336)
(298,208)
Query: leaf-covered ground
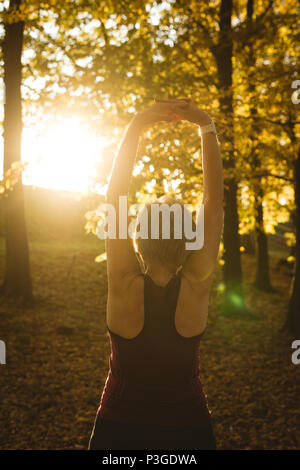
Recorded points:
(57,358)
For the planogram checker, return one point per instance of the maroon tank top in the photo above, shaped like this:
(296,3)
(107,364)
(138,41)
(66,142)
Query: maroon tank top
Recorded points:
(153,378)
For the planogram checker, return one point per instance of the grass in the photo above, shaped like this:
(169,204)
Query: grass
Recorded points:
(57,357)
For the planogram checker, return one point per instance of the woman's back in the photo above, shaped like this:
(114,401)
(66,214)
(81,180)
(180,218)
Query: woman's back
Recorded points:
(154,376)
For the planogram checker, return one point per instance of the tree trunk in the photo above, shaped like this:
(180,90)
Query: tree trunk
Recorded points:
(262,279)
(293,316)
(234,299)
(17,281)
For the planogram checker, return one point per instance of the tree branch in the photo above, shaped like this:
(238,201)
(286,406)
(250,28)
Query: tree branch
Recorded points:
(271,175)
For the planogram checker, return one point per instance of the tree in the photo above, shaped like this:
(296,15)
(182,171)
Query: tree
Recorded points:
(206,36)
(293,314)
(280,115)
(232,270)
(262,280)
(20,18)
(17,280)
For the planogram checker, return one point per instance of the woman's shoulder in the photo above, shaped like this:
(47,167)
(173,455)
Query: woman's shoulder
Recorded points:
(125,307)
(199,286)
(125,284)
(126,294)
(192,307)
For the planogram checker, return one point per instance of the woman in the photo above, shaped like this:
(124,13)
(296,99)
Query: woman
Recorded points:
(153,397)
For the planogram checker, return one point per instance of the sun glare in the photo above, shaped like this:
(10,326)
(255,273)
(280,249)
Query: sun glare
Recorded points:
(63,158)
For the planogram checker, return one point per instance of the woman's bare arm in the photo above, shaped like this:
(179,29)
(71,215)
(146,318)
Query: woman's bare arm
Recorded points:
(123,163)
(200,264)
(122,262)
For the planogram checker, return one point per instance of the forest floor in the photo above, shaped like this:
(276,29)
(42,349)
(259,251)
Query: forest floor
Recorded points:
(57,358)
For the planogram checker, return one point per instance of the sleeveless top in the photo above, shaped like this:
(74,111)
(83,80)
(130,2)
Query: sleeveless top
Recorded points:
(153,378)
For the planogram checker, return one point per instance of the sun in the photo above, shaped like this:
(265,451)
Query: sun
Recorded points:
(63,158)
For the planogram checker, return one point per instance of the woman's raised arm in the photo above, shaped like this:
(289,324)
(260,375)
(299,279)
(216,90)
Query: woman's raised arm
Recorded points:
(199,266)
(121,259)
(125,158)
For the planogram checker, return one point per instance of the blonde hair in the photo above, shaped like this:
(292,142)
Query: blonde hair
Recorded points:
(163,251)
